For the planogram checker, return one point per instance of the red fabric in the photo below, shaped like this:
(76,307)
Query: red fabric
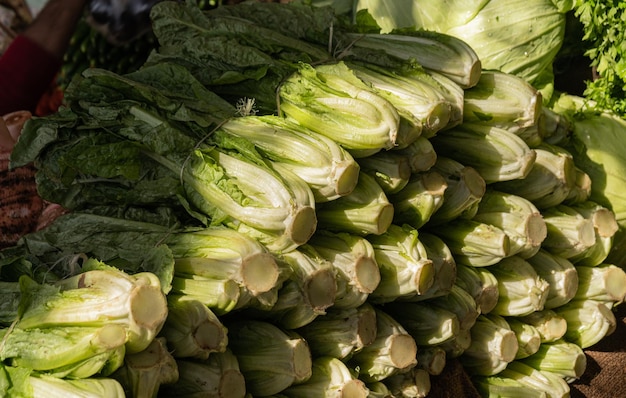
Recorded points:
(50,101)
(26,73)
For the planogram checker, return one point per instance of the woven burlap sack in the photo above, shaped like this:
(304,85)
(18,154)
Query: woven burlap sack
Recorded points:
(605,375)
(453,382)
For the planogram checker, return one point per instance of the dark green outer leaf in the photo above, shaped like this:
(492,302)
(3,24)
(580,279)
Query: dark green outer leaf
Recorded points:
(294,20)
(39,133)
(227,46)
(132,246)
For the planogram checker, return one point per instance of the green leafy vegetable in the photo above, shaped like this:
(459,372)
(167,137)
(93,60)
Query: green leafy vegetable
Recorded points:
(603,35)
(517,37)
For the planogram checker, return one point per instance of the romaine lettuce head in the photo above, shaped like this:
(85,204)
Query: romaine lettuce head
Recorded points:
(598,145)
(520,37)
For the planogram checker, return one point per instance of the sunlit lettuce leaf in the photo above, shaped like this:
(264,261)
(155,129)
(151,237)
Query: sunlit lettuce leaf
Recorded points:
(520,37)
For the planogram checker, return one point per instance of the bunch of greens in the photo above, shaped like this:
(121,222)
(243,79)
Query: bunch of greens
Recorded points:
(604,27)
(306,68)
(504,257)
(141,140)
(71,335)
(519,37)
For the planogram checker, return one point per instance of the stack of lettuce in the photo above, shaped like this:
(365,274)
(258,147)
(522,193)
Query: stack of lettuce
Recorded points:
(329,211)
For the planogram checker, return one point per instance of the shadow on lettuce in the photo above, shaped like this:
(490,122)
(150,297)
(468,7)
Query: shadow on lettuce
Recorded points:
(598,145)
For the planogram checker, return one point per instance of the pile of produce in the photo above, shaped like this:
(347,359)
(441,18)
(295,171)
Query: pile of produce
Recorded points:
(280,203)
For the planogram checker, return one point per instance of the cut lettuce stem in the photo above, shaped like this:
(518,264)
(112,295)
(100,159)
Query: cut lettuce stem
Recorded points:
(432,359)
(503,100)
(145,372)
(497,154)
(330,378)
(217,376)
(192,329)
(474,243)
(291,309)
(224,253)
(528,337)
(561,275)
(555,128)
(455,96)
(461,303)
(551,325)
(604,282)
(444,266)
(315,275)
(420,154)
(418,98)
(414,383)
(392,351)
(560,357)
(603,218)
(220,295)
(270,358)
(481,284)
(465,188)
(429,325)
(66,351)
(569,232)
(281,207)
(354,259)
(521,290)
(309,291)
(518,217)
(257,275)
(341,332)
(420,198)
(550,180)
(581,190)
(366,210)
(331,100)
(285,195)
(605,226)
(493,346)
(390,169)
(97,297)
(405,269)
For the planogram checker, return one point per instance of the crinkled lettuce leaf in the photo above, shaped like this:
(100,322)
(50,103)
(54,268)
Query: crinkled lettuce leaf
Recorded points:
(521,37)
